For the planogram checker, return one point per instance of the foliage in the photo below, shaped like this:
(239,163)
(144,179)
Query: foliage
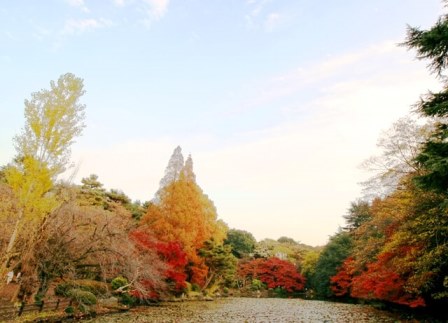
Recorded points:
(358,213)
(399,147)
(172,256)
(273,272)
(184,214)
(220,261)
(331,257)
(97,288)
(118,282)
(286,240)
(341,283)
(379,281)
(84,299)
(53,119)
(242,242)
(308,266)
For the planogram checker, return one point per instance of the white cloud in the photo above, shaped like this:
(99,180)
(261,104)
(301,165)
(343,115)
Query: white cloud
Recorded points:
(77,26)
(79,4)
(155,9)
(296,178)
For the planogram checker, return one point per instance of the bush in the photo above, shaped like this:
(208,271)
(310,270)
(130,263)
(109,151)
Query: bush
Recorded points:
(195,287)
(70,310)
(118,282)
(97,288)
(257,284)
(127,299)
(82,296)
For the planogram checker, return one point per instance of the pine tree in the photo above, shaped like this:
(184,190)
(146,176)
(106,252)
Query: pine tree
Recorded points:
(432,44)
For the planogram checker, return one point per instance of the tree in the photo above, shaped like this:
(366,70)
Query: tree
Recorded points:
(332,256)
(341,283)
(432,45)
(358,213)
(308,266)
(242,242)
(287,240)
(53,119)
(183,213)
(172,171)
(170,253)
(221,263)
(381,282)
(92,192)
(273,272)
(399,145)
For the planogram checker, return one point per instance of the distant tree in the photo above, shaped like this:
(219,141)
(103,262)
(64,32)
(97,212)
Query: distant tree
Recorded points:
(399,146)
(287,240)
(358,213)
(308,266)
(92,192)
(242,242)
(172,172)
(332,256)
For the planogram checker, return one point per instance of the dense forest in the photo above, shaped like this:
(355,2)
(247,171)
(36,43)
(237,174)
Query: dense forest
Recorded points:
(85,242)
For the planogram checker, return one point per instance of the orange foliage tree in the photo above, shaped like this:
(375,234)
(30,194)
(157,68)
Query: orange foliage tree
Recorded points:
(183,213)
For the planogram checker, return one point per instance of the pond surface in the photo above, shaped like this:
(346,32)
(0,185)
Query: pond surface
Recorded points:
(252,310)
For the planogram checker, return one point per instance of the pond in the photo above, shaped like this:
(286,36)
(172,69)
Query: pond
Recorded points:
(252,310)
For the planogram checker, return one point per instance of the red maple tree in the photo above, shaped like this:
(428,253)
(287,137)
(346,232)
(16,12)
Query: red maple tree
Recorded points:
(274,272)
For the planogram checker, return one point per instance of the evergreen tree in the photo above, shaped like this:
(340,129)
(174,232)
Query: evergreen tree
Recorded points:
(432,45)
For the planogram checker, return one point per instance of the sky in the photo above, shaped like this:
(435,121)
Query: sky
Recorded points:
(277,101)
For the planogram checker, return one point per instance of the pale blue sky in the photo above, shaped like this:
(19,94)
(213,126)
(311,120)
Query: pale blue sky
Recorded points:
(277,101)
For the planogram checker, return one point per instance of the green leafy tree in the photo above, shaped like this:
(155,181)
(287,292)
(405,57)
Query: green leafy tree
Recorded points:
(287,240)
(242,242)
(221,263)
(358,213)
(332,256)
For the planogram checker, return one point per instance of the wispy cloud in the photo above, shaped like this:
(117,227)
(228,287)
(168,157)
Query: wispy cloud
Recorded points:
(78,26)
(317,75)
(259,17)
(155,10)
(79,4)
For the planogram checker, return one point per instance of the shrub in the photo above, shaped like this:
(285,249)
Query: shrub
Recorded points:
(257,284)
(82,297)
(127,299)
(70,310)
(195,288)
(97,288)
(118,282)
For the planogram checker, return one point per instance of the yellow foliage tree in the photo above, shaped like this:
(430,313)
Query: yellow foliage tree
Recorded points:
(53,119)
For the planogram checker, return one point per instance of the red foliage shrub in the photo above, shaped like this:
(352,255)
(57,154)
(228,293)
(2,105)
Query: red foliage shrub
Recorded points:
(380,282)
(340,284)
(170,253)
(274,273)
